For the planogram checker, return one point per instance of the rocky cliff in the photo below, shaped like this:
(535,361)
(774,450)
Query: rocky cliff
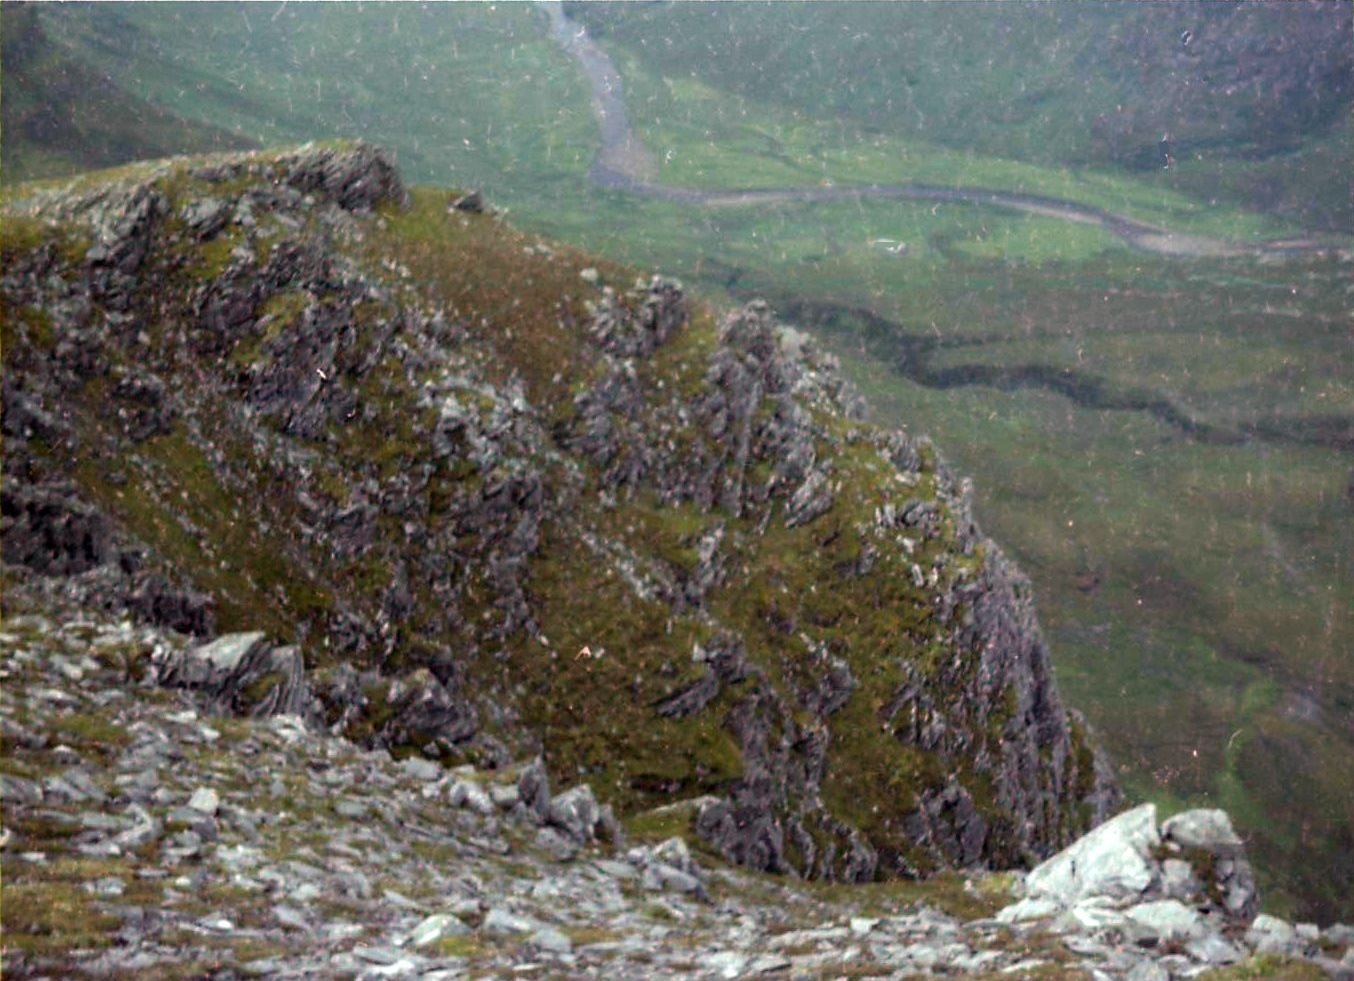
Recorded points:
(438,487)
(147,837)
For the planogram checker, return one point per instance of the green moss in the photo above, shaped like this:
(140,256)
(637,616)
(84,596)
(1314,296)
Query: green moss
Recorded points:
(89,733)
(258,582)
(467,947)
(276,314)
(210,259)
(25,325)
(1264,966)
(660,824)
(47,909)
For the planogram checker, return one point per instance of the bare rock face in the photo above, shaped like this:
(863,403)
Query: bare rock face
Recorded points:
(1186,882)
(666,553)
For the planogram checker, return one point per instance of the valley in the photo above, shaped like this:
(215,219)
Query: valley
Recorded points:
(1150,384)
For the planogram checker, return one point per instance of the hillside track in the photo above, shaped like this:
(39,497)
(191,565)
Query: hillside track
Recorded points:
(625,164)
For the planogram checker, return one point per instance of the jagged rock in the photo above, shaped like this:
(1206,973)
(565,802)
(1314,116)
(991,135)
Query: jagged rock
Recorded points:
(18,790)
(953,824)
(1114,860)
(52,531)
(356,179)
(147,413)
(472,202)
(424,713)
(691,699)
(24,417)
(812,499)
(834,688)
(206,216)
(533,785)
(1209,829)
(242,673)
(362,465)
(1229,874)
(155,600)
(577,813)
(621,330)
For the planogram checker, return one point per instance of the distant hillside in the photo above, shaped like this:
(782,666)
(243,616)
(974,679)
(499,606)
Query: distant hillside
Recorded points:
(1071,84)
(60,116)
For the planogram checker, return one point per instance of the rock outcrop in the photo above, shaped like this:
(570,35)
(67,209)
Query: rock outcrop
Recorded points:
(142,834)
(442,489)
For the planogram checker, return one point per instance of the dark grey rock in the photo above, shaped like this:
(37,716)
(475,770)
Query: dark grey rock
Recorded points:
(206,216)
(472,202)
(50,530)
(356,179)
(534,787)
(576,813)
(19,791)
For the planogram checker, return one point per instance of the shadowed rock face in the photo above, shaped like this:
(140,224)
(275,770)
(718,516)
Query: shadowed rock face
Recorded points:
(404,527)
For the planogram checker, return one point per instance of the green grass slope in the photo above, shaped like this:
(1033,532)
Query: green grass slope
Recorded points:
(60,116)
(465,94)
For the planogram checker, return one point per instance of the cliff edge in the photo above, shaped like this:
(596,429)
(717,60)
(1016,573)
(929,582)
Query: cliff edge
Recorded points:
(477,498)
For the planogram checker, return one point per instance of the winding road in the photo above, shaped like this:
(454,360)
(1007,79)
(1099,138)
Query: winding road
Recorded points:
(625,164)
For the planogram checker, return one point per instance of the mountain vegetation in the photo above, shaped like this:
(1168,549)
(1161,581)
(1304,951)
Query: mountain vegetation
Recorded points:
(504,503)
(1161,440)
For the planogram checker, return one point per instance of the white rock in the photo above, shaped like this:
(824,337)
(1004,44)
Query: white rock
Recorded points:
(205,799)
(436,927)
(1178,880)
(468,793)
(767,963)
(501,922)
(227,651)
(1206,828)
(1213,948)
(861,925)
(1167,920)
(1271,935)
(1114,860)
(1088,918)
(724,963)
(548,938)
(1148,971)
(675,853)
(421,769)
(1028,909)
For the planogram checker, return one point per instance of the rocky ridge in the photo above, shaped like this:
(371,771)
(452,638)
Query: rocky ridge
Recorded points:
(428,458)
(145,836)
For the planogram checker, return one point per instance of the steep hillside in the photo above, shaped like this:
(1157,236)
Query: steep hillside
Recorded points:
(494,500)
(61,116)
